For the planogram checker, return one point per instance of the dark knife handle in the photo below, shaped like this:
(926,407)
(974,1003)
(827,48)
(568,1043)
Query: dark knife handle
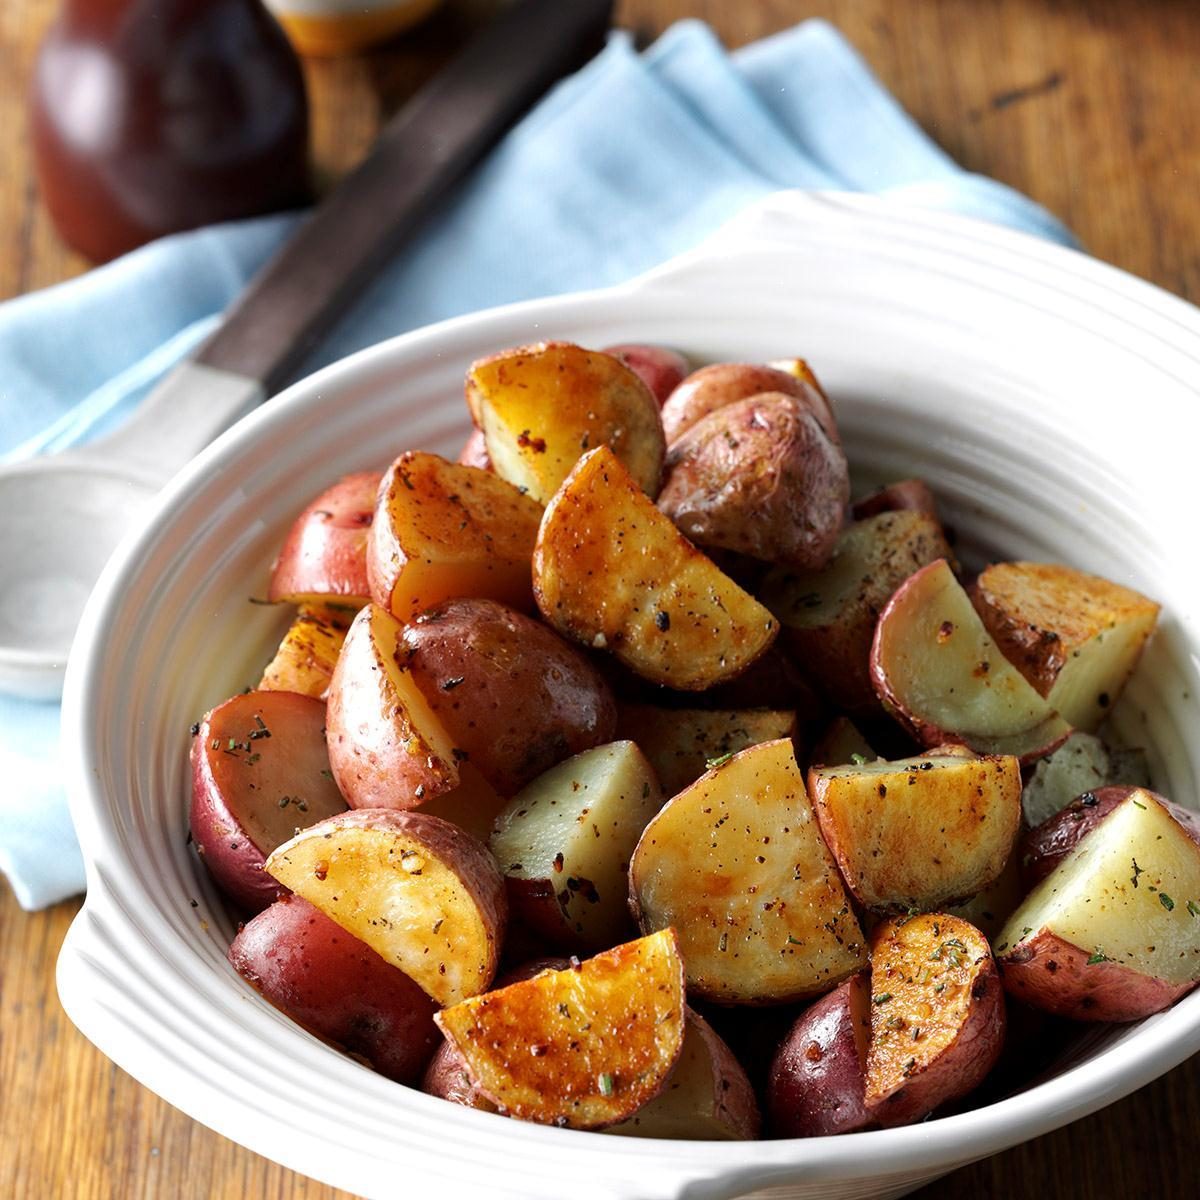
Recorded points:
(429,145)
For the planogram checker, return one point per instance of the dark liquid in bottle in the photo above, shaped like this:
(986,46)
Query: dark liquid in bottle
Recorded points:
(152,116)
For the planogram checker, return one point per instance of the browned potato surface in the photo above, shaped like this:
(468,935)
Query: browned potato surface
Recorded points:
(919,833)
(682,743)
(759,478)
(1075,637)
(540,407)
(512,696)
(937,1015)
(612,572)
(585,1047)
(425,896)
(737,866)
(309,652)
(442,530)
(829,615)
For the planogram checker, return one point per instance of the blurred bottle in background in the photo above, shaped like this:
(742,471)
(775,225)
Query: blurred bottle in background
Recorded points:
(153,116)
(329,27)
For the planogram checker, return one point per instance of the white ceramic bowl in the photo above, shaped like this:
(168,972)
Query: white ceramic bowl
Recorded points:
(1046,396)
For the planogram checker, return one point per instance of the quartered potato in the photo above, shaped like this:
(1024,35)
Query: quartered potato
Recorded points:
(1081,764)
(540,407)
(587,1046)
(938,671)
(309,652)
(1075,637)
(737,866)
(425,896)
(442,531)
(919,833)
(612,572)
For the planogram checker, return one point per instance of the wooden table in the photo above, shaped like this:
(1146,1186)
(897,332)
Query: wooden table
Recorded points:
(1092,108)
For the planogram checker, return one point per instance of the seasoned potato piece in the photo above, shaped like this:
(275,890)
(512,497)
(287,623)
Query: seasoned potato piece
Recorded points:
(565,841)
(1082,763)
(442,530)
(829,616)
(309,652)
(683,743)
(840,744)
(660,368)
(1075,637)
(937,1015)
(736,864)
(919,833)
(939,673)
(387,749)
(584,1047)
(612,572)
(425,896)
(759,478)
(815,394)
(908,495)
(540,407)
(472,805)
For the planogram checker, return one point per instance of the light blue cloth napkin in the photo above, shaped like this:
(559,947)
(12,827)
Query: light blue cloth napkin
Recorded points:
(632,160)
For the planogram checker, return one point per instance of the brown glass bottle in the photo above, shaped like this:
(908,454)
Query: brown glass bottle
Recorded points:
(152,116)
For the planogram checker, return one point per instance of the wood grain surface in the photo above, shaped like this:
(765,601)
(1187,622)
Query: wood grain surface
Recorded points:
(1093,108)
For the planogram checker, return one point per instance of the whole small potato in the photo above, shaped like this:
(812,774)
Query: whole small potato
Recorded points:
(514,697)
(660,368)
(759,477)
(711,388)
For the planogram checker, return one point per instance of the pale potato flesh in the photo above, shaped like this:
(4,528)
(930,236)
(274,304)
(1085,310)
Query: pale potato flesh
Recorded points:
(1129,891)
(612,572)
(473,805)
(737,865)
(587,1046)
(576,827)
(681,742)
(1081,764)
(308,653)
(920,832)
(540,407)
(422,894)
(936,667)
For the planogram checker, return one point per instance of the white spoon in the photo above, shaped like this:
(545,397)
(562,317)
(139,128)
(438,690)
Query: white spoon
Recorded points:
(63,516)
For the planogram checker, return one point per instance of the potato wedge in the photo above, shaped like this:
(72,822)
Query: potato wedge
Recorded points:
(736,864)
(612,572)
(660,368)
(829,616)
(387,749)
(1075,637)
(937,670)
(540,407)
(425,896)
(937,1016)
(683,743)
(1113,932)
(564,843)
(324,557)
(309,652)
(1080,764)
(990,909)
(473,805)
(584,1047)
(442,531)
(919,833)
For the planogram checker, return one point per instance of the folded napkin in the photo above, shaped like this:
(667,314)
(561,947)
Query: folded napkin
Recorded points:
(632,160)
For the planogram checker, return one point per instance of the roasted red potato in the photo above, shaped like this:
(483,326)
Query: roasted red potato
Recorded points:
(937,670)
(1081,764)
(306,657)
(310,968)
(540,407)
(937,1016)
(1113,932)
(829,615)
(424,895)
(260,772)
(1075,637)
(737,866)
(324,556)
(661,369)
(908,495)
(759,478)
(585,1047)
(613,573)
(474,452)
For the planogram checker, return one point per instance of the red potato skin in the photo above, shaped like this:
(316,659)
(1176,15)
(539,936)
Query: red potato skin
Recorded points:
(817,1079)
(325,551)
(223,844)
(474,452)
(1049,973)
(526,699)
(909,495)
(1046,845)
(337,987)
(660,368)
